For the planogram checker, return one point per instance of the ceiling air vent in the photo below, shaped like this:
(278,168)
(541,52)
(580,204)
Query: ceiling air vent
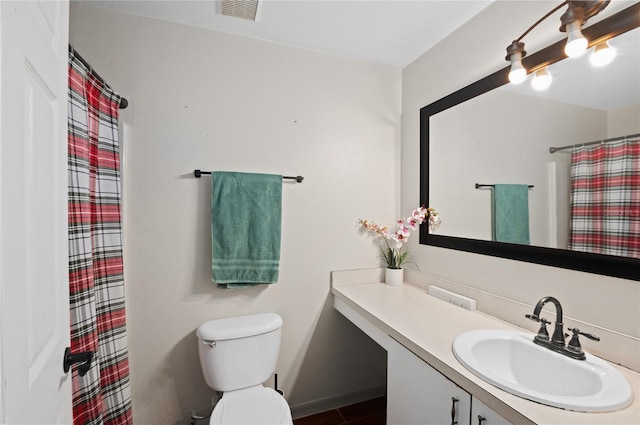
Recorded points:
(244,9)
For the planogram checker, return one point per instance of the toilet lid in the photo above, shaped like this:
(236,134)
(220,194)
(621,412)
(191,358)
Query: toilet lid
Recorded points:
(251,406)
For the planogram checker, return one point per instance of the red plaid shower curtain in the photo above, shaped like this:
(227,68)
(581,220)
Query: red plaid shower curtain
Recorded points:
(605,199)
(96,282)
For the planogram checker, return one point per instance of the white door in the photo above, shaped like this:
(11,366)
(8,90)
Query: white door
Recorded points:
(34,290)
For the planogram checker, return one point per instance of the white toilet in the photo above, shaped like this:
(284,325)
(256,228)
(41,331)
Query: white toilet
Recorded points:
(237,355)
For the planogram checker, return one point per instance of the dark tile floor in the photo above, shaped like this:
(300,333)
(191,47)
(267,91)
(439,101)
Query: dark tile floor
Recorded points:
(370,412)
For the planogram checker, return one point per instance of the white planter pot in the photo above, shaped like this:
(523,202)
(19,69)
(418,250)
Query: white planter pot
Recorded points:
(394,277)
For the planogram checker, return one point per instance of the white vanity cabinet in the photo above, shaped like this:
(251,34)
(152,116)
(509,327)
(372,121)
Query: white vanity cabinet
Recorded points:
(481,414)
(419,394)
(406,320)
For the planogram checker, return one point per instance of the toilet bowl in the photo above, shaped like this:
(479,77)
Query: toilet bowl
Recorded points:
(255,405)
(237,355)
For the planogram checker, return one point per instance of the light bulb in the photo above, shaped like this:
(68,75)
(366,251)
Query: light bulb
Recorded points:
(576,43)
(602,55)
(517,74)
(542,80)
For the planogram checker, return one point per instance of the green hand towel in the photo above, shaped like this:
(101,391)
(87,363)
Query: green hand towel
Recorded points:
(246,216)
(511,213)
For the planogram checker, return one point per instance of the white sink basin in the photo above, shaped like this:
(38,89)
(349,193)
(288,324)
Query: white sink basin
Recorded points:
(511,361)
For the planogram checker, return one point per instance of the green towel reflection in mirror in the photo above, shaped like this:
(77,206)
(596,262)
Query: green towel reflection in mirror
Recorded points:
(510,213)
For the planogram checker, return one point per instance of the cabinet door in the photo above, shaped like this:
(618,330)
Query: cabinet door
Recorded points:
(419,394)
(481,414)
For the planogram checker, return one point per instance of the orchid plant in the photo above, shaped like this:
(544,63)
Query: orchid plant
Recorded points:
(392,251)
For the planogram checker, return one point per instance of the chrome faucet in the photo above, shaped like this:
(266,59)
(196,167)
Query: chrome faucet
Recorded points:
(557,342)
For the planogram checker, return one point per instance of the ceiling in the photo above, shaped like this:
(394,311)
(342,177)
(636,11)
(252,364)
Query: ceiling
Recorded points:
(396,32)
(391,32)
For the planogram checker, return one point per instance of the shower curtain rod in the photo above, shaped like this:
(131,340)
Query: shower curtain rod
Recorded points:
(198,174)
(123,101)
(613,139)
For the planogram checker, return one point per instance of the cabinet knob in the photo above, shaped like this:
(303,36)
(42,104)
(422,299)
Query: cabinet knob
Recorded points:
(481,420)
(454,400)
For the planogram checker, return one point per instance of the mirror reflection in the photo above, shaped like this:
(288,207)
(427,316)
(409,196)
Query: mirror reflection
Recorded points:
(501,141)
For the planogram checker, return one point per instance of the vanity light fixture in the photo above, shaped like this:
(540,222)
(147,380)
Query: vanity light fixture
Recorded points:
(542,80)
(602,55)
(576,15)
(515,53)
(572,21)
(576,43)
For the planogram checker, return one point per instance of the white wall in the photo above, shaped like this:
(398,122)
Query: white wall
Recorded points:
(610,306)
(624,121)
(214,101)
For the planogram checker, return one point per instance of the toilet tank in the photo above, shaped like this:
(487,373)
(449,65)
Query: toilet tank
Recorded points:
(239,352)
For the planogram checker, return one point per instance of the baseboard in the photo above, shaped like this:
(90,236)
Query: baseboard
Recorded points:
(335,401)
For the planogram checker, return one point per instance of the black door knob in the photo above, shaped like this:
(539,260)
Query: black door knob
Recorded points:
(83,359)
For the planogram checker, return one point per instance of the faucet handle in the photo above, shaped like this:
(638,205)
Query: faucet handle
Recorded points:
(574,343)
(537,319)
(532,317)
(577,332)
(542,332)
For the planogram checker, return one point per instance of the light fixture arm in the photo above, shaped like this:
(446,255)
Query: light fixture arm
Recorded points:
(539,21)
(517,46)
(581,11)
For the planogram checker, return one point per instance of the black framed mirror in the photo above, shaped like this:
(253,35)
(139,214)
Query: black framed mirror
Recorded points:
(609,265)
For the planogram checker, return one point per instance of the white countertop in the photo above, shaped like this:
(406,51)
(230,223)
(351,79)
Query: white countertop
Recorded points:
(428,326)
